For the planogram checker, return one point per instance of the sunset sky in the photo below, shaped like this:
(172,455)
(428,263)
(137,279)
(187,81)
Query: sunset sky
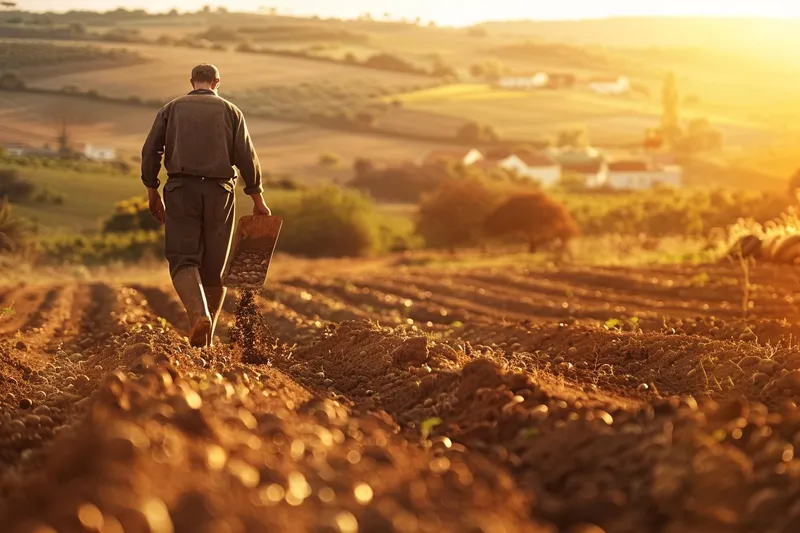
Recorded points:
(462,12)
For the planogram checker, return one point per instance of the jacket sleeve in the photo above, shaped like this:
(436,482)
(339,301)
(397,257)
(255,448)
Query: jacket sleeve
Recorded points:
(245,157)
(153,150)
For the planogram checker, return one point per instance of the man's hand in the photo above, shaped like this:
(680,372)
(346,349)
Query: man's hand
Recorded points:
(259,206)
(156,205)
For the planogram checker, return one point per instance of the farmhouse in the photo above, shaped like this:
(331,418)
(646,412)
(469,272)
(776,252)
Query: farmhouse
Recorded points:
(593,171)
(534,81)
(466,156)
(28,150)
(611,86)
(540,167)
(96,153)
(642,174)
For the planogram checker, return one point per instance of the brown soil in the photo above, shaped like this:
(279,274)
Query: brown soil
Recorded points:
(574,400)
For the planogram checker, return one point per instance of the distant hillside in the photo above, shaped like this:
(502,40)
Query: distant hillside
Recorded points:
(755,35)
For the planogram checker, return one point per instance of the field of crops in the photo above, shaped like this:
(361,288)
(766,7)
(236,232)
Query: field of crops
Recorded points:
(408,399)
(525,115)
(168,73)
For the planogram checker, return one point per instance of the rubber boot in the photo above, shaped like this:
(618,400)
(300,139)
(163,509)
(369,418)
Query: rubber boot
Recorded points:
(190,290)
(215,297)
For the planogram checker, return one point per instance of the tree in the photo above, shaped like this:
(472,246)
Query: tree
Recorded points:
(534,217)
(670,118)
(478,70)
(363,167)
(575,138)
(454,214)
(328,222)
(473,132)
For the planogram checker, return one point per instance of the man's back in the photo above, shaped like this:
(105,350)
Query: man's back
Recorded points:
(202,135)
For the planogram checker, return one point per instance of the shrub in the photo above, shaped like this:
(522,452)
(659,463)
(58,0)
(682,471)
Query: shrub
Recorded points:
(405,183)
(130,216)
(329,159)
(14,187)
(14,231)
(328,222)
(454,214)
(99,249)
(534,217)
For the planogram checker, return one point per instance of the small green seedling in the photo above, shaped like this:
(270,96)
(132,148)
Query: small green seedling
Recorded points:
(427,426)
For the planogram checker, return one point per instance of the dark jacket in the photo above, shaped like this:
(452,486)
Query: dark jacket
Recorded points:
(204,135)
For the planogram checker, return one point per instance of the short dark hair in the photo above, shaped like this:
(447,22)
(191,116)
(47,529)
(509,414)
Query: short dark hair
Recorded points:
(205,73)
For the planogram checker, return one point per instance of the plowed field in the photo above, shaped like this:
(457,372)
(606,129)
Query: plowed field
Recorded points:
(408,400)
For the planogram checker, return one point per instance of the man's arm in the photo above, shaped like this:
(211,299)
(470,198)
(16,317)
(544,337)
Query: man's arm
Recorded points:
(152,152)
(246,160)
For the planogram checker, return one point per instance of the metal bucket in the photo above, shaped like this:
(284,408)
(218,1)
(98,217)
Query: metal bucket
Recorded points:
(251,251)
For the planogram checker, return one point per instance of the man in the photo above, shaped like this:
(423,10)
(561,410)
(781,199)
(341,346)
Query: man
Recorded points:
(201,137)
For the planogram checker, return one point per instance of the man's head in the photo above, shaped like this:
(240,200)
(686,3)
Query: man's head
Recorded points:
(205,76)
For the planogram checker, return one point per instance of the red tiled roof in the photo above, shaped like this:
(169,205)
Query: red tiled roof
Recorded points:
(628,165)
(583,167)
(537,160)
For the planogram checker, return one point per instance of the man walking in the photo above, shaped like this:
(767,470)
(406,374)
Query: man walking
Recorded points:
(201,137)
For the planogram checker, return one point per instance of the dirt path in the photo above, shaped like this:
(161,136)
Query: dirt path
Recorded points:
(376,412)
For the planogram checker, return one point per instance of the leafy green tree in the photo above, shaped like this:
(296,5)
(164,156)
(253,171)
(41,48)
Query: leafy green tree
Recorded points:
(328,222)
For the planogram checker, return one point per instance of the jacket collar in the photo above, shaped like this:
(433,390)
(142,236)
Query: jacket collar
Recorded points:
(203,91)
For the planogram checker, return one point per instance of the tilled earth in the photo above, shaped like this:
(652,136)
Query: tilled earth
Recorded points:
(408,400)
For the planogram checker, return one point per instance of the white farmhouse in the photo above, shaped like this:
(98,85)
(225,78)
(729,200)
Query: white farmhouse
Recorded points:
(535,81)
(98,153)
(618,86)
(634,175)
(539,167)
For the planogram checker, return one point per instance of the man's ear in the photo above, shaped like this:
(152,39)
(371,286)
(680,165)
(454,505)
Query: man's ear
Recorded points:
(215,84)
(191,82)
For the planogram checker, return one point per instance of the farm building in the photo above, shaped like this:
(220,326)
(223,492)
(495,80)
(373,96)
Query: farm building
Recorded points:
(540,167)
(533,81)
(642,174)
(593,171)
(466,156)
(24,149)
(97,153)
(612,86)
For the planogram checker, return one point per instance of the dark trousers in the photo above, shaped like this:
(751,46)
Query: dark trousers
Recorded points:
(200,218)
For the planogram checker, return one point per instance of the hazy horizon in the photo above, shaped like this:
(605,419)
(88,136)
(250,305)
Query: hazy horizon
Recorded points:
(466,12)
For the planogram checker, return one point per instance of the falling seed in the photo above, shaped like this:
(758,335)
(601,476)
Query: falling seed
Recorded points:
(346,522)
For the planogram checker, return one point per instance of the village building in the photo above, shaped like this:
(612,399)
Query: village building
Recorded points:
(96,153)
(634,175)
(526,82)
(611,86)
(540,167)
